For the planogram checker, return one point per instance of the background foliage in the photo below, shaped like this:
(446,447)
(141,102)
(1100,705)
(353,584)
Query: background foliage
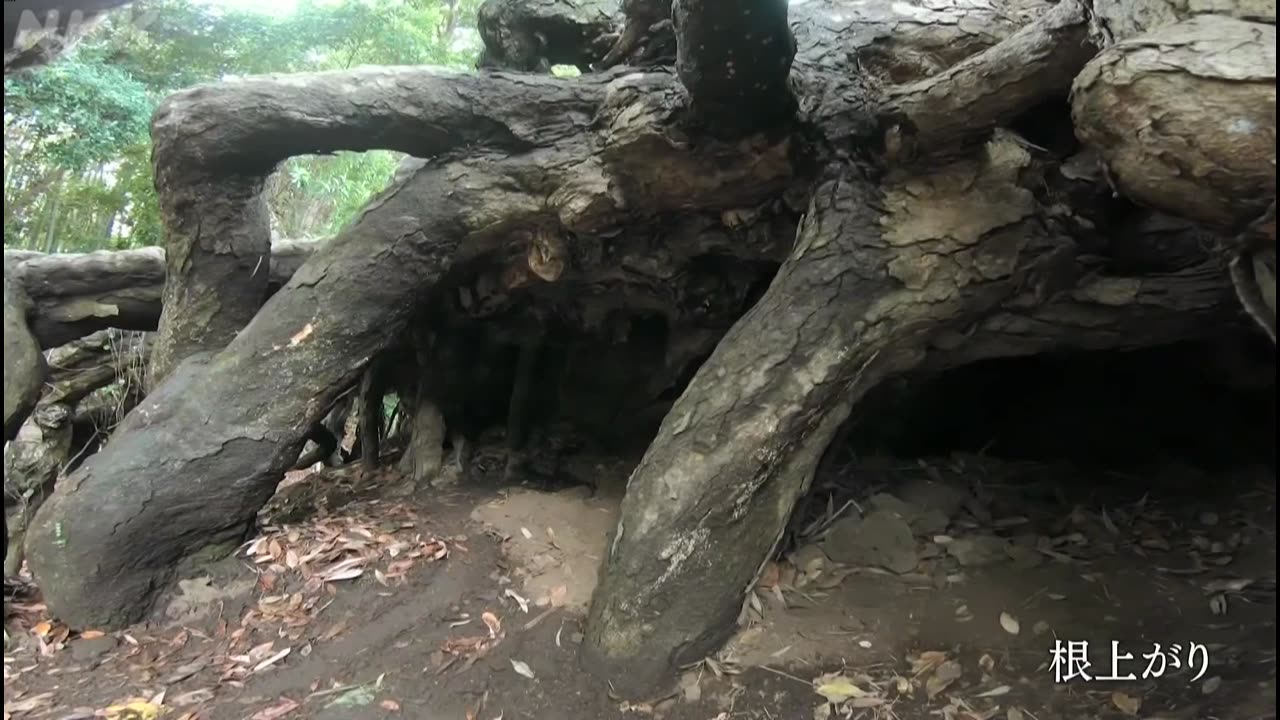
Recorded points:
(77,155)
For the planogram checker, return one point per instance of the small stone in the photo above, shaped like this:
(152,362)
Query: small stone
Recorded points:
(881,539)
(890,503)
(979,550)
(82,650)
(1209,518)
(930,522)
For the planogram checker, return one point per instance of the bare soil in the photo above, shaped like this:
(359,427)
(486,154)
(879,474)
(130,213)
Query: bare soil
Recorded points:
(466,602)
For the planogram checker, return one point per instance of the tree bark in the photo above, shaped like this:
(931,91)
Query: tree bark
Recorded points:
(24,366)
(119,527)
(1212,80)
(732,55)
(853,304)
(255,401)
(74,295)
(991,88)
(44,447)
(213,151)
(217,257)
(372,389)
(537,193)
(532,36)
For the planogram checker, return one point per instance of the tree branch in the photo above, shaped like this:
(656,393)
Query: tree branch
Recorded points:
(1034,64)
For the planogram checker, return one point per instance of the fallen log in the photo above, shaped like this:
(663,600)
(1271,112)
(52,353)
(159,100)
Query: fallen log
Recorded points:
(74,295)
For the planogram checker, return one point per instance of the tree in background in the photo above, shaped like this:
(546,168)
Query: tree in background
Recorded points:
(77,156)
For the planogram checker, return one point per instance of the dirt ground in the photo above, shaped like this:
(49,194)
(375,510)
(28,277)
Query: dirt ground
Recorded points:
(916,590)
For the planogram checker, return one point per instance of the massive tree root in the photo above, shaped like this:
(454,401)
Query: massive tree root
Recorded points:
(68,422)
(914,196)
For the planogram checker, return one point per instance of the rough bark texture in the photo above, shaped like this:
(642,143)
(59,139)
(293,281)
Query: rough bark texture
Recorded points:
(991,88)
(609,203)
(44,447)
(32,463)
(1211,81)
(1123,19)
(23,364)
(160,493)
(734,57)
(533,35)
(899,43)
(880,280)
(213,147)
(74,295)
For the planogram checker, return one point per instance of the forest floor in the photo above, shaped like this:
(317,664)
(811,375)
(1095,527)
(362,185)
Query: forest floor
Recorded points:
(955,579)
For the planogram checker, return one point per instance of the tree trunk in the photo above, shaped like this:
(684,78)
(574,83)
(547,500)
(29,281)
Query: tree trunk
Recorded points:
(878,280)
(932,234)
(372,389)
(24,366)
(423,457)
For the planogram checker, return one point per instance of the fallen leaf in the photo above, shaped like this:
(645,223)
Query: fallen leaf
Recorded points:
(927,661)
(1211,685)
(193,697)
(272,660)
(947,673)
(1010,623)
(42,628)
(279,710)
(837,688)
(523,603)
(1126,704)
(495,625)
(137,710)
(390,705)
(522,669)
(182,672)
(28,704)
(334,631)
(356,697)
(996,691)
(92,634)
